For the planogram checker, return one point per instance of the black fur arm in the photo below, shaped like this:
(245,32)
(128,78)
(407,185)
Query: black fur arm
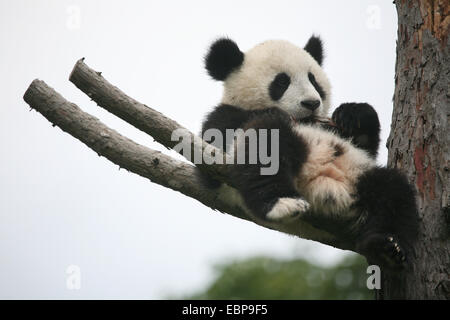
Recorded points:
(221,118)
(359,121)
(224,117)
(261,192)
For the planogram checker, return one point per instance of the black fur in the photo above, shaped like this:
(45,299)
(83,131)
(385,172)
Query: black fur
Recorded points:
(261,192)
(222,117)
(316,85)
(291,147)
(225,117)
(315,49)
(279,85)
(223,57)
(388,200)
(359,121)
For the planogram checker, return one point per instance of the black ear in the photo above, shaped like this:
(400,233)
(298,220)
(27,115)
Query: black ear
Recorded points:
(314,47)
(223,57)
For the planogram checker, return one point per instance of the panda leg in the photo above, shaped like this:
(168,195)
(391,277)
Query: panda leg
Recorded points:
(389,217)
(273,197)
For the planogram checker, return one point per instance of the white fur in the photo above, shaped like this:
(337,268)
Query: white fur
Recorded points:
(290,225)
(288,208)
(248,86)
(325,180)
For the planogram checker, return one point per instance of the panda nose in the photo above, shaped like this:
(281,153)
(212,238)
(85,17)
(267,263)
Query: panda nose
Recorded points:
(311,104)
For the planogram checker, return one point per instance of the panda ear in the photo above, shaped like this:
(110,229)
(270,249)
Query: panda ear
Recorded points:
(223,57)
(314,48)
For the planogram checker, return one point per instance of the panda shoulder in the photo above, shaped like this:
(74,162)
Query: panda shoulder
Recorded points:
(225,116)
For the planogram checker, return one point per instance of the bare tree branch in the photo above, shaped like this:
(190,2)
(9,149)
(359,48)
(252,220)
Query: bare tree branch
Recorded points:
(157,167)
(148,163)
(139,115)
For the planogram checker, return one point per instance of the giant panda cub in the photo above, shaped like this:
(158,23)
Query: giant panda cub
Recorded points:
(326,169)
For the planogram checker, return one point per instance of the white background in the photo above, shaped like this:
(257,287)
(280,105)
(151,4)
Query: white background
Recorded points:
(61,205)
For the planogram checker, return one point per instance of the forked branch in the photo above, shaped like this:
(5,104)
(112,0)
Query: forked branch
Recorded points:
(156,166)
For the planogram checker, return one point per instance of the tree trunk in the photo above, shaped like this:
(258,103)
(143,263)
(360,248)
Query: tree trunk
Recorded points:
(419,144)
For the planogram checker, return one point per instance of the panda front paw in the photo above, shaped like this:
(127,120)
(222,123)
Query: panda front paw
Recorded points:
(288,209)
(354,118)
(358,121)
(270,118)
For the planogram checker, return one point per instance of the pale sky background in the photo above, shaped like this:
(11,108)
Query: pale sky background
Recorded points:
(62,205)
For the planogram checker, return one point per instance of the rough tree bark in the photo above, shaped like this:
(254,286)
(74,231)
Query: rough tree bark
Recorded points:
(419,143)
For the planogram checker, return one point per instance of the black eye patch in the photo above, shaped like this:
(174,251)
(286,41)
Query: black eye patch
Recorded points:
(316,85)
(279,85)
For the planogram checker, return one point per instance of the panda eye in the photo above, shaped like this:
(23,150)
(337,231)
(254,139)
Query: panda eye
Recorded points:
(316,86)
(279,85)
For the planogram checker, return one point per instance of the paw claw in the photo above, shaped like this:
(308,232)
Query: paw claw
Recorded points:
(395,251)
(386,251)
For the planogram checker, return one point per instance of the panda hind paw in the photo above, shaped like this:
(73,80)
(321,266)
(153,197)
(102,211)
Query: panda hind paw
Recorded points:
(384,250)
(288,209)
(394,252)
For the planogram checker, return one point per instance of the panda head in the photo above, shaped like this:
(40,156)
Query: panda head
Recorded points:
(273,73)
